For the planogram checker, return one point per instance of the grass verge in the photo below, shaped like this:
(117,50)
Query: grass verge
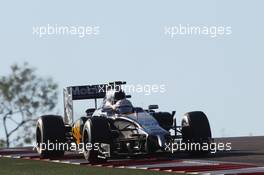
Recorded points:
(9,166)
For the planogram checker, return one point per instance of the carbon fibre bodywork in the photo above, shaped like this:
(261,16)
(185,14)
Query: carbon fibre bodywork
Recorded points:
(134,133)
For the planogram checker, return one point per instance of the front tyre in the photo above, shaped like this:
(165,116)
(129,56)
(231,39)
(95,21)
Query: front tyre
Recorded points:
(196,131)
(95,132)
(50,136)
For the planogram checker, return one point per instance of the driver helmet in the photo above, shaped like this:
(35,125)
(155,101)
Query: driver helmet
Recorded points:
(123,106)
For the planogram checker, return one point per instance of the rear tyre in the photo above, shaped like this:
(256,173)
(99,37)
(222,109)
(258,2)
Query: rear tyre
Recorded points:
(96,131)
(50,132)
(196,130)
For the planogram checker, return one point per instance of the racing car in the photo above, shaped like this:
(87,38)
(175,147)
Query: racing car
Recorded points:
(116,127)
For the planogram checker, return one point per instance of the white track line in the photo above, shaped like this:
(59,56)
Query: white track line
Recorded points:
(16,149)
(235,171)
(7,156)
(27,155)
(74,161)
(172,164)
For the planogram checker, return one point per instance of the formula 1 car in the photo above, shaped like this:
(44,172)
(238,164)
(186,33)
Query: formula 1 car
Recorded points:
(116,128)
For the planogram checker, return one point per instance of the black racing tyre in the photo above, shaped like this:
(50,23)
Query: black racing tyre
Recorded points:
(50,132)
(95,131)
(165,119)
(196,129)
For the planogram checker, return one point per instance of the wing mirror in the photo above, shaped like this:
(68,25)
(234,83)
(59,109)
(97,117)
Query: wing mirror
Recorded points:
(151,107)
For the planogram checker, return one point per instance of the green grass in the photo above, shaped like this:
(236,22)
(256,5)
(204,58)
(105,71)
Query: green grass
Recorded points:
(9,166)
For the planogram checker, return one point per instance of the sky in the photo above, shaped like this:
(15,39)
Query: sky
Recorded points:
(222,76)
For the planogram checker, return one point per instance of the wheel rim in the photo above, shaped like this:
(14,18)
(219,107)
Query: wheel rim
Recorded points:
(39,137)
(87,139)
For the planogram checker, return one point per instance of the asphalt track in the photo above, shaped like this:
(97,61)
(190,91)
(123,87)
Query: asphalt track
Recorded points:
(244,150)
(245,158)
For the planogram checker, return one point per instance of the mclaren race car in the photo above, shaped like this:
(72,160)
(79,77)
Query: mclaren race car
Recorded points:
(116,128)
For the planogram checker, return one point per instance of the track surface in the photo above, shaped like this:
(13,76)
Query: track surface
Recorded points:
(246,157)
(244,150)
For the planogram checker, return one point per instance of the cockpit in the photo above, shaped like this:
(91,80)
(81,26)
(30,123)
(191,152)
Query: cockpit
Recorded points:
(124,106)
(117,101)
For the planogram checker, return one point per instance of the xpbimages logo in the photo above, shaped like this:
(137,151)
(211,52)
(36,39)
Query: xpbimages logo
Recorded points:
(145,89)
(203,147)
(80,31)
(80,148)
(211,31)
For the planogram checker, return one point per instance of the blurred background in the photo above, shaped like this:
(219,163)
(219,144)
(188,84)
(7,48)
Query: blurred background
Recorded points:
(223,76)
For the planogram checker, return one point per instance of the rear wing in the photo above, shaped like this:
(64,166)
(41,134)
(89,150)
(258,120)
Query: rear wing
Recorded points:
(85,92)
